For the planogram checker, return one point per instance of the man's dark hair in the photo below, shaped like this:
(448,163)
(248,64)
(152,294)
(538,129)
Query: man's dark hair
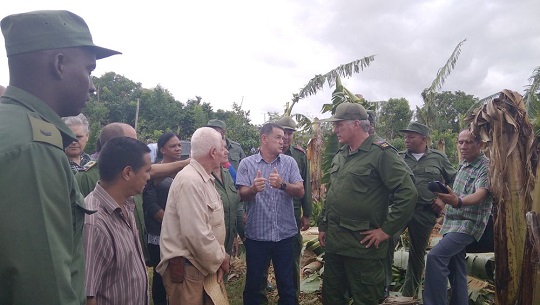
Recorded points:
(267,128)
(117,154)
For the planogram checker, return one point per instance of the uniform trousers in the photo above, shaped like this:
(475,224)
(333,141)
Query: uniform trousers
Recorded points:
(420,228)
(446,262)
(363,278)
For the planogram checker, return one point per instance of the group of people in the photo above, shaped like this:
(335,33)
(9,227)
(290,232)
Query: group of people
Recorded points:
(376,192)
(80,229)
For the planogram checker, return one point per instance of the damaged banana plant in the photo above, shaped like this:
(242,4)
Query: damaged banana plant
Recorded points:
(504,125)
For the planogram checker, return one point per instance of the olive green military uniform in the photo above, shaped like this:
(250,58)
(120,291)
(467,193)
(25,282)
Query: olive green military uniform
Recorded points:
(87,181)
(41,261)
(302,207)
(234,223)
(358,200)
(432,166)
(236,153)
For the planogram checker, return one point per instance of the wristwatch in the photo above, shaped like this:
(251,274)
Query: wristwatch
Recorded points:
(459,203)
(283,186)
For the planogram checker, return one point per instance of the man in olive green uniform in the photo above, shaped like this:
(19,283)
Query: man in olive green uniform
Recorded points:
(427,165)
(302,206)
(356,221)
(236,153)
(50,55)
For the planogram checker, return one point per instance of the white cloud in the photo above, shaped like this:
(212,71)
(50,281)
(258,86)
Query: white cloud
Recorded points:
(262,53)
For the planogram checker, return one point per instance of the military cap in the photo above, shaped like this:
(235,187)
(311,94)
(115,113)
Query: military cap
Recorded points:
(348,111)
(287,123)
(48,30)
(418,128)
(216,123)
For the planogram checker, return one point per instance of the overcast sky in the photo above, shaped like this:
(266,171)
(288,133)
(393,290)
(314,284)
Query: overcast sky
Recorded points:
(263,52)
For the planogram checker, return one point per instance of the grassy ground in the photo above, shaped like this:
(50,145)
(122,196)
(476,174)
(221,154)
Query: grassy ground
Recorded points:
(235,286)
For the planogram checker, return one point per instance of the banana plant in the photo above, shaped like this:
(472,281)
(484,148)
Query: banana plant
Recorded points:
(504,125)
(427,114)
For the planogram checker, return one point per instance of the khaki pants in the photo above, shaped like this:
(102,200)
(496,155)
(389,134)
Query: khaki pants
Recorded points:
(190,291)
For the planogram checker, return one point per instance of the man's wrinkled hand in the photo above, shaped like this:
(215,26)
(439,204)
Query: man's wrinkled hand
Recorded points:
(374,237)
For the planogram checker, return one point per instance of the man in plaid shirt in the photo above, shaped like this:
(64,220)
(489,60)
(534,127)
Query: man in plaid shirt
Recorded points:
(468,210)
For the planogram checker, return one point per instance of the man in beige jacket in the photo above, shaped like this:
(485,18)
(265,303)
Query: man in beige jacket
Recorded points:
(193,257)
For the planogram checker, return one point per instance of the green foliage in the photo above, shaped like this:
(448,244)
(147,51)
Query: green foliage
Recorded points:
(398,143)
(239,127)
(116,101)
(450,139)
(532,100)
(395,115)
(427,113)
(316,212)
(345,70)
(449,109)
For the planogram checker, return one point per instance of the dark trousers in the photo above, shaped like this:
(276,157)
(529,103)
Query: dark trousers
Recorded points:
(258,257)
(420,228)
(362,278)
(159,296)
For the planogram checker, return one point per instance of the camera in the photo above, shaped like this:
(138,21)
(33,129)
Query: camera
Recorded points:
(437,187)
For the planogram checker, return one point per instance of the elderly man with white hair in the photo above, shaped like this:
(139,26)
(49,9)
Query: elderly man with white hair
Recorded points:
(78,159)
(193,257)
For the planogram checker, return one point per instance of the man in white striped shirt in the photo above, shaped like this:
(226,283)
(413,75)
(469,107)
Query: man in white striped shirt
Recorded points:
(115,269)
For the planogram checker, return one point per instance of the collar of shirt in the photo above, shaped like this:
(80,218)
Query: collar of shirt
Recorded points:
(476,163)
(365,146)
(200,169)
(259,158)
(28,100)
(108,203)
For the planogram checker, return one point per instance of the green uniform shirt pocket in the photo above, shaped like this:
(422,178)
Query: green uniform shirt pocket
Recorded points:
(355,227)
(360,180)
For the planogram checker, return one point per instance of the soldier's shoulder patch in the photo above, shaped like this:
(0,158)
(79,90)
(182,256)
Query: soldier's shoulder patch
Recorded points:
(89,165)
(45,132)
(382,144)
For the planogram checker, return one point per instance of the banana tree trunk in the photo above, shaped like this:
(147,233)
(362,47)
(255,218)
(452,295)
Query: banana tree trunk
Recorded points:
(504,125)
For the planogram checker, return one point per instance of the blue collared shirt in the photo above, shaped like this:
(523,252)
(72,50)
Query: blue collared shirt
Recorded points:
(271,216)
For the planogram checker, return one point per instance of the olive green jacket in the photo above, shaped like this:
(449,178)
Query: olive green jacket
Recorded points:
(234,214)
(236,153)
(432,166)
(362,182)
(87,181)
(304,205)
(41,260)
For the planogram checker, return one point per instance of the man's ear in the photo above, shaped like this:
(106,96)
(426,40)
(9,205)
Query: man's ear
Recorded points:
(58,65)
(127,172)
(213,152)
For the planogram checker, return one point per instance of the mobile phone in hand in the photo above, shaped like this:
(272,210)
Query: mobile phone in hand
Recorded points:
(437,187)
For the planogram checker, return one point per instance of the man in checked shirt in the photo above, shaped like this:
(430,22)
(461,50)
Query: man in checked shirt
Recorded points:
(267,182)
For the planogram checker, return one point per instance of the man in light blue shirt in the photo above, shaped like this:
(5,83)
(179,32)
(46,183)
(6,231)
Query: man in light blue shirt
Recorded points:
(267,182)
